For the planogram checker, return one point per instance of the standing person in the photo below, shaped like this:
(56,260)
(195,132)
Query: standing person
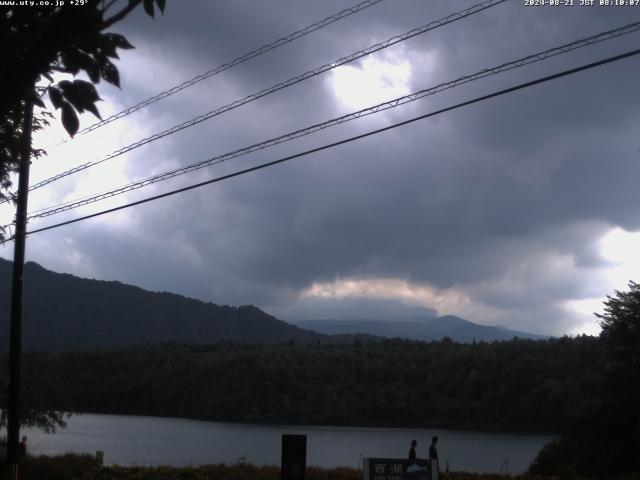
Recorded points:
(22,449)
(433,452)
(412,452)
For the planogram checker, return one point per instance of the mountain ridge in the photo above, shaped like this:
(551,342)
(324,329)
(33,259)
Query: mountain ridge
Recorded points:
(64,312)
(422,328)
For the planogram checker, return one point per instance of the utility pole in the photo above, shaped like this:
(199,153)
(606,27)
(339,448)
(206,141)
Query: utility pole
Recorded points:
(15,335)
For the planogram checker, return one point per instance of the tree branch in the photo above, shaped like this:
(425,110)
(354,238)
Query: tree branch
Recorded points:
(59,69)
(108,5)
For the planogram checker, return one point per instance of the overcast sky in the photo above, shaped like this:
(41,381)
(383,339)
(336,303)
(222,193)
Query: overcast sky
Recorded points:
(520,211)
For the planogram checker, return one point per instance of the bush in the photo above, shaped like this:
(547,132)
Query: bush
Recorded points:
(62,467)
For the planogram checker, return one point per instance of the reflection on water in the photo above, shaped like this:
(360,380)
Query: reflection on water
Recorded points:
(131,440)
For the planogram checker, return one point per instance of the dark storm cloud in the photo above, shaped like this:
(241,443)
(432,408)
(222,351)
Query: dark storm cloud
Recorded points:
(504,201)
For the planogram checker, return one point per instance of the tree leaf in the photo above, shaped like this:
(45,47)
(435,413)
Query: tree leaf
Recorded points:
(64,84)
(73,96)
(93,109)
(109,72)
(82,95)
(161,4)
(88,95)
(88,90)
(118,40)
(94,74)
(75,60)
(148,7)
(70,120)
(70,61)
(107,46)
(55,95)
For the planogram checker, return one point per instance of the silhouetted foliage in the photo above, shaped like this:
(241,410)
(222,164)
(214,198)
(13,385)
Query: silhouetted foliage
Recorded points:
(38,41)
(604,439)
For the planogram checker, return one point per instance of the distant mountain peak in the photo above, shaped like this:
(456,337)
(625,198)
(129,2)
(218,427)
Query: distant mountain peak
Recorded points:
(431,328)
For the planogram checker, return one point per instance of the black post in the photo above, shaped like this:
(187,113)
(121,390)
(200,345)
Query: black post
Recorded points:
(294,457)
(15,335)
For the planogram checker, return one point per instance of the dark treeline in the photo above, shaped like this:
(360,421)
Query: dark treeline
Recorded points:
(520,385)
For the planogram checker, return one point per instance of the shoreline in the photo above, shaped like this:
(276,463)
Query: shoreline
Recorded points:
(381,426)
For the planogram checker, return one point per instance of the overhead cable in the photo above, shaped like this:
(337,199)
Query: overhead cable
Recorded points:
(292,81)
(226,66)
(347,140)
(600,37)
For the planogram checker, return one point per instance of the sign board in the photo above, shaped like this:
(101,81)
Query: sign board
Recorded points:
(397,469)
(99,457)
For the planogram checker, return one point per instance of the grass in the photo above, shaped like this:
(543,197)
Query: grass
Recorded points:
(61,467)
(84,467)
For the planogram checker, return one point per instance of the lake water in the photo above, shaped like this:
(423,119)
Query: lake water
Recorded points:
(133,440)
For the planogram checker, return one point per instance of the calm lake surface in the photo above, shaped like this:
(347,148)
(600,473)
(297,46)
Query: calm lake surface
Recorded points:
(133,440)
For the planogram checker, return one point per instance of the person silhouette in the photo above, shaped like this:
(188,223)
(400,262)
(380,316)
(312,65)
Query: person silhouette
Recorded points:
(412,451)
(22,448)
(433,451)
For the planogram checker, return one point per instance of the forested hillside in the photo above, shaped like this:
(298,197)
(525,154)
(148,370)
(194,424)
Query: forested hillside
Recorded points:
(64,312)
(520,385)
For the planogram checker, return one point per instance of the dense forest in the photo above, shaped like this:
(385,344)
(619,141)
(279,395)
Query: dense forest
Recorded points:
(519,385)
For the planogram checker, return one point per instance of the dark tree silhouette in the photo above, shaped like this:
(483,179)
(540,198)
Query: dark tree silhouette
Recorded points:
(38,41)
(620,324)
(604,438)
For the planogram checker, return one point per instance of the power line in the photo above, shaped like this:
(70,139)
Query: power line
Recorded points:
(292,81)
(615,33)
(348,140)
(226,66)
(309,74)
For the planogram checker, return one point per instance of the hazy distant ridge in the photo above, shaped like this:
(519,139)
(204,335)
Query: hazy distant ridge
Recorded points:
(418,328)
